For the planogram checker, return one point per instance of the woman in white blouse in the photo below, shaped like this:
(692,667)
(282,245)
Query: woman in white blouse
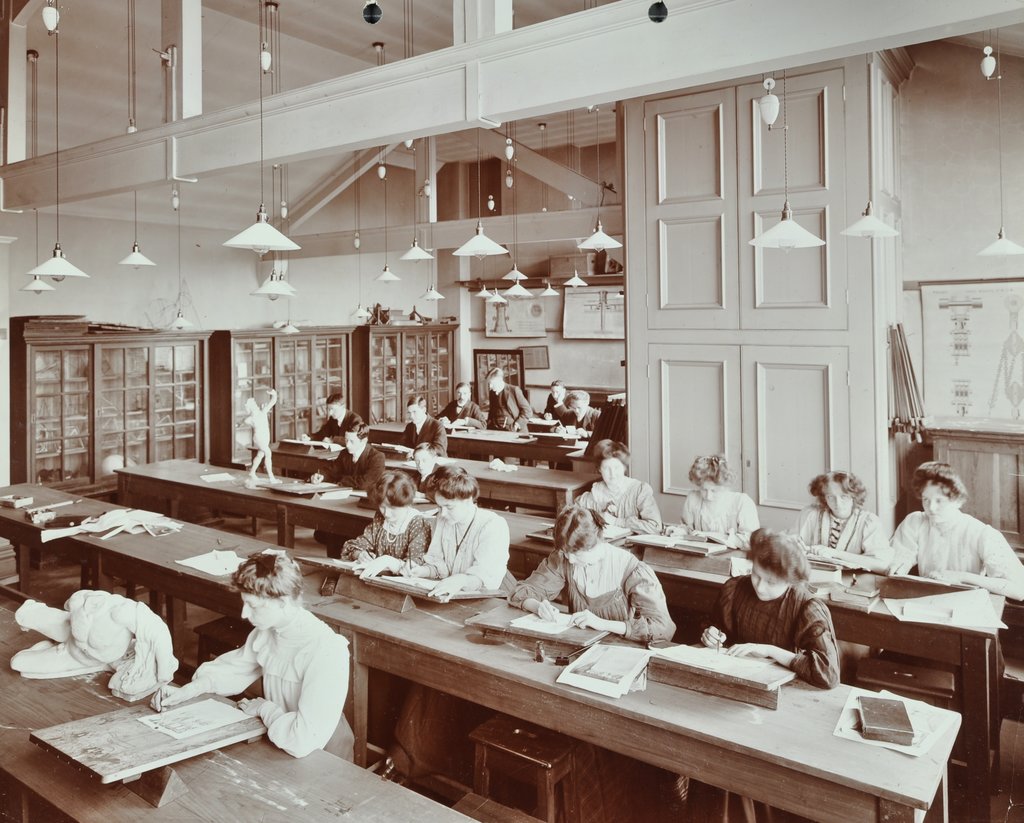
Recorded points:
(619,499)
(949,545)
(715,509)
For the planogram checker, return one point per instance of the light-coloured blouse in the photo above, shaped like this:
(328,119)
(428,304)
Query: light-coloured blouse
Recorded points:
(963,544)
(480,550)
(634,507)
(731,511)
(861,533)
(304,666)
(617,587)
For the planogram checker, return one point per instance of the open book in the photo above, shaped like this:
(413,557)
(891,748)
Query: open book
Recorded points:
(683,544)
(609,534)
(607,670)
(395,448)
(313,444)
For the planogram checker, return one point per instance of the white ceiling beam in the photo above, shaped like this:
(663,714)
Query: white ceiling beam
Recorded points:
(606,53)
(540,227)
(314,200)
(578,186)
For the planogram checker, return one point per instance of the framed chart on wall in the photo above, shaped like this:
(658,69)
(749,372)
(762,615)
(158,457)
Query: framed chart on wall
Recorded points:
(594,313)
(508,360)
(515,318)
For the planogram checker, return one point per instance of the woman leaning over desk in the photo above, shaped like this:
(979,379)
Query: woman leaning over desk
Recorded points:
(619,499)
(839,526)
(606,587)
(949,545)
(397,532)
(714,508)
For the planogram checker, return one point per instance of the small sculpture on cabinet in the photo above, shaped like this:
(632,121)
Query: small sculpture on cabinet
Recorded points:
(98,631)
(259,420)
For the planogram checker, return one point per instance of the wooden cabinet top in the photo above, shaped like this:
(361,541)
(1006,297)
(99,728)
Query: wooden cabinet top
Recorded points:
(977,428)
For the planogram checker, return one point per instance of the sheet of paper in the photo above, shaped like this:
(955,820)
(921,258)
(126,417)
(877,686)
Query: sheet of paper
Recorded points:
(217,563)
(607,670)
(535,624)
(336,494)
(218,477)
(970,609)
(194,718)
(929,722)
(331,563)
(718,661)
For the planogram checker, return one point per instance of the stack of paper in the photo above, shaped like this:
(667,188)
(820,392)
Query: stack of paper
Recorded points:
(968,609)
(607,670)
(214,562)
(929,722)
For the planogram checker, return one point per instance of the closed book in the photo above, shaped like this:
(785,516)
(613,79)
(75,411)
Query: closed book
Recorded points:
(15,501)
(886,719)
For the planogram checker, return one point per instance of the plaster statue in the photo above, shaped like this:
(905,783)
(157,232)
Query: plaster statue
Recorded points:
(259,420)
(98,631)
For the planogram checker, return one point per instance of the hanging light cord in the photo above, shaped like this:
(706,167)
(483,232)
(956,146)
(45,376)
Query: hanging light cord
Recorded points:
(178,213)
(132,91)
(999,130)
(385,182)
(785,140)
(56,122)
(260,23)
(515,210)
(597,143)
(135,207)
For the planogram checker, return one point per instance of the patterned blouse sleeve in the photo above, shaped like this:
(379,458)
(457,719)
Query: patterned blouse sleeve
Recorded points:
(418,533)
(817,653)
(647,519)
(366,542)
(649,618)
(546,582)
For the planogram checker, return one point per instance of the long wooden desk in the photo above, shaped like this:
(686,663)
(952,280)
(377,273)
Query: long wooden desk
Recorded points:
(481,444)
(254,781)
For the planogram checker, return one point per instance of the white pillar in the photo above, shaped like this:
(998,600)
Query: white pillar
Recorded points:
(476,19)
(15,125)
(182,28)
(5,355)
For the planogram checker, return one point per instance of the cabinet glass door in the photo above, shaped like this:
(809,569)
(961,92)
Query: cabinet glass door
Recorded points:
(122,413)
(294,409)
(384,378)
(440,371)
(61,415)
(330,375)
(176,410)
(254,375)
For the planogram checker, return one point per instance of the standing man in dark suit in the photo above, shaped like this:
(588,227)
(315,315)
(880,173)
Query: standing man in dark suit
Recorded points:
(339,420)
(422,427)
(509,407)
(462,410)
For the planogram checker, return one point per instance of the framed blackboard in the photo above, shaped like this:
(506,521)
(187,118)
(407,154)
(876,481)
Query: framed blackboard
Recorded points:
(509,360)
(535,357)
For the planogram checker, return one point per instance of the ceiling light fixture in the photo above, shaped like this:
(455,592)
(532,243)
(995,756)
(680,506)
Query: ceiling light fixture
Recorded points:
(657,12)
(415,253)
(132,127)
(360,315)
(274,286)
(479,245)
(787,233)
(1002,246)
(37,284)
(136,258)
(180,322)
(386,275)
(51,17)
(768,103)
(58,266)
(261,237)
(599,241)
(869,226)
(988,63)
(516,289)
(548,291)
(575,281)
(372,12)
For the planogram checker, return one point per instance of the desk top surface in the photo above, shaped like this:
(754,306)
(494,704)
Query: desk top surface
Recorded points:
(254,781)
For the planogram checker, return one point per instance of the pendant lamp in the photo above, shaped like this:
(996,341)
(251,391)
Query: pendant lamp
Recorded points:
(516,289)
(575,281)
(136,258)
(180,322)
(1002,246)
(787,233)
(479,245)
(58,266)
(548,291)
(261,237)
(869,226)
(361,314)
(483,291)
(415,252)
(497,298)
(37,284)
(386,275)
(274,286)
(431,294)
(599,241)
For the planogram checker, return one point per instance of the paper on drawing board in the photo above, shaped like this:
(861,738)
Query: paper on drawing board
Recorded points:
(929,722)
(193,719)
(968,609)
(535,624)
(607,670)
(217,563)
(218,477)
(718,661)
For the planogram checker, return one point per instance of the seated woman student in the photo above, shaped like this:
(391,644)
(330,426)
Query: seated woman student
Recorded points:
(554,408)
(619,499)
(579,415)
(771,613)
(339,420)
(462,410)
(839,526)
(469,546)
(303,662)
(397,532)
(605,586)
(949,545)
(422,427)
(716,509)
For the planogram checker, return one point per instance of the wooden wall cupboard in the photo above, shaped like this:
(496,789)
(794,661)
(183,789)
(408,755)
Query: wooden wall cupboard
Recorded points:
(304,368)
(84,405)
(393,362)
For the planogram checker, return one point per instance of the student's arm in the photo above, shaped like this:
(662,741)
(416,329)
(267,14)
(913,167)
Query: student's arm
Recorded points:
(647,517)
(474,416)
(490,559)
(525,410)
(876,553)
(322,695)
(649,619)
(363,547)
(433,565)
(906,543)
(544,584)
(1003,573)
(231,673)
(817,653)
(409,436)
(747,521)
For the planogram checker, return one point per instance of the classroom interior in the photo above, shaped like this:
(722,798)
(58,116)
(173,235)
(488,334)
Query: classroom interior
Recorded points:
(534,121)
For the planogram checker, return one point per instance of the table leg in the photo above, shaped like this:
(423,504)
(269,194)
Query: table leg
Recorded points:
(890,812)
(360,704)
(976,706)
(21,552)
(176,622)
(285,528)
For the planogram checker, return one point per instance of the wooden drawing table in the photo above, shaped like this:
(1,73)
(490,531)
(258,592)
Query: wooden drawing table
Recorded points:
(741,748)
(972,652)
(482,444)
(254,781)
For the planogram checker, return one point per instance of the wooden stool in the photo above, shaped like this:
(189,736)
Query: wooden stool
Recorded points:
(218,636)
(530,754)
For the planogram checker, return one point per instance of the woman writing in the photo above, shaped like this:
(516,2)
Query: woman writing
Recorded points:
(619,499)
(397,532)
(715,509)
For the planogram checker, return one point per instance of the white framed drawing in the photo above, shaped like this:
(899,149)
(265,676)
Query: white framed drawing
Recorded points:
(594,313)
(519,317)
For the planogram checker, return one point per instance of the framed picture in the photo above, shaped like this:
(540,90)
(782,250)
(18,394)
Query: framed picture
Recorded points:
(509,360)
(517,318)
(594,313)
(535,357)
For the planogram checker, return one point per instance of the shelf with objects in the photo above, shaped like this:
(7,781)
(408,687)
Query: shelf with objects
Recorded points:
(304,368)
(93,400)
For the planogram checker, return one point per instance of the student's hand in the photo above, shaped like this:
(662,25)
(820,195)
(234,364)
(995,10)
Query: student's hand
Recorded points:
(251,706)
(377,565)
(560,429)
(947,576)
(316,479)
(586,619)
(677,530)
(444,421)
(169,695)
(546,611)
(304,438)
(547,416)
(713,638)
(444,590)
(363,557)
(751,650)
(823,551)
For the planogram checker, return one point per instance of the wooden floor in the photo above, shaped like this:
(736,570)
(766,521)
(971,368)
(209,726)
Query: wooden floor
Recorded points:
(57,579)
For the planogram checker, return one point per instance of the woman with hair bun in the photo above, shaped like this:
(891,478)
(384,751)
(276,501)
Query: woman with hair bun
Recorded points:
(714,508)
(621,500)
(949,545)
(839,526)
